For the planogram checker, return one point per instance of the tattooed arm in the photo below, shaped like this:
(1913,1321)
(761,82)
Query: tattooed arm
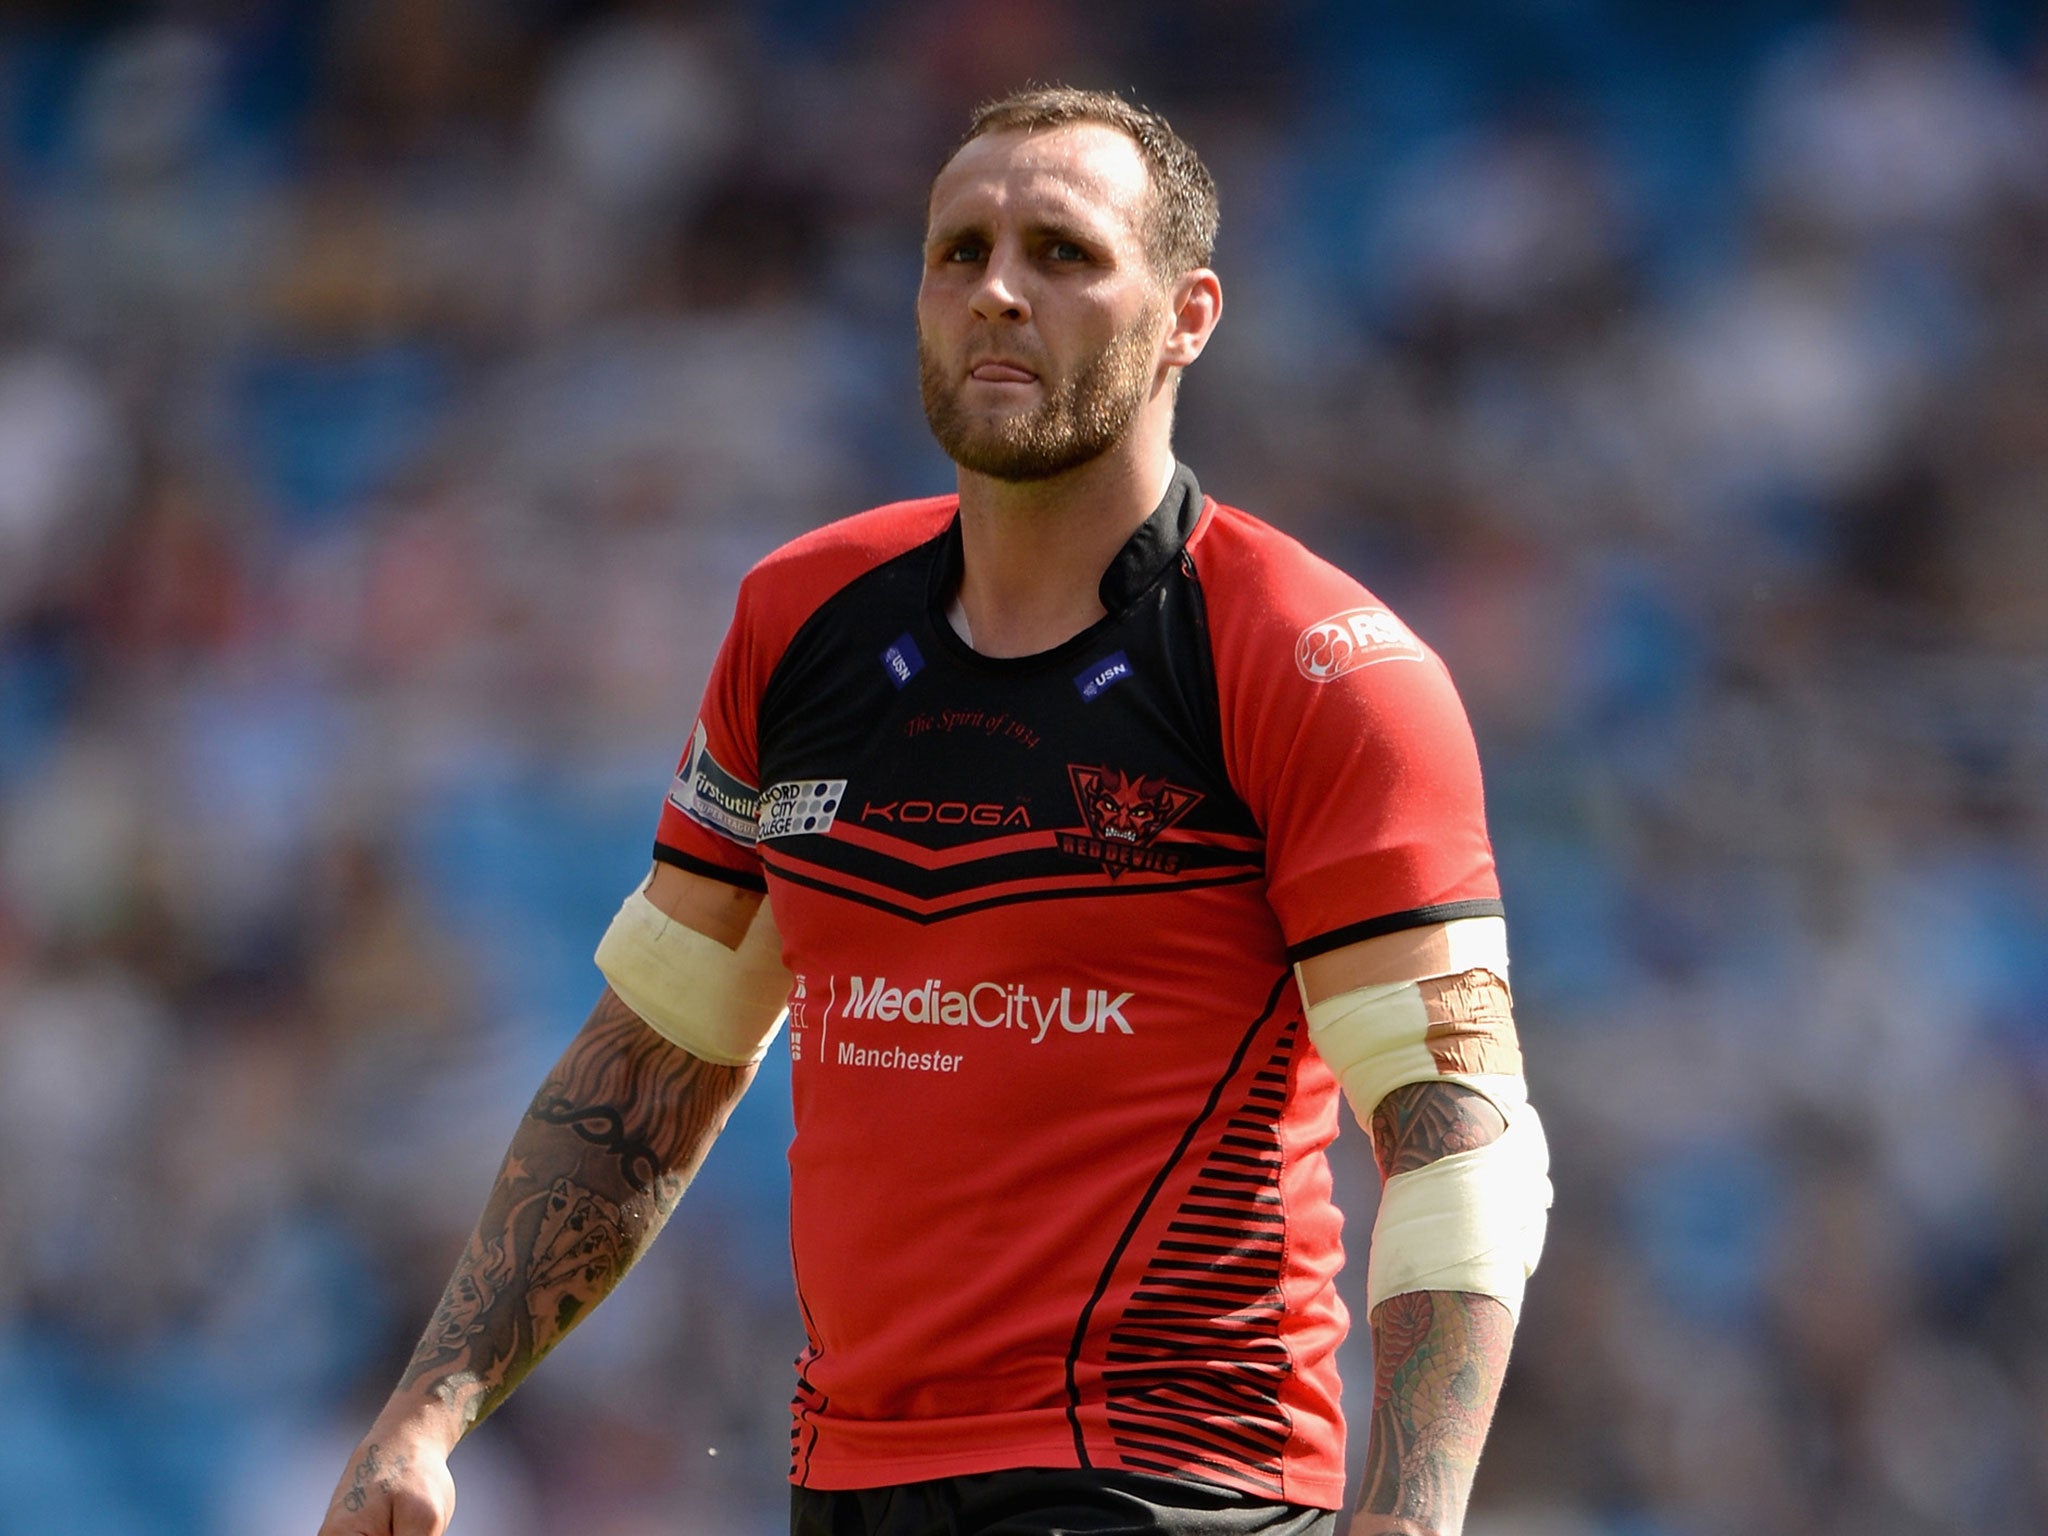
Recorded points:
(604,1152)
(1438,1356)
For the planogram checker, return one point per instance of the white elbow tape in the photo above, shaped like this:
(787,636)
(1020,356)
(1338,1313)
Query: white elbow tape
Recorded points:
(1472,1221)
(721,1004)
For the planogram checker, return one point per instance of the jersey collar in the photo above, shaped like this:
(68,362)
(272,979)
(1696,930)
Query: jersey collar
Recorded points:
(1157,543)
(1145,555)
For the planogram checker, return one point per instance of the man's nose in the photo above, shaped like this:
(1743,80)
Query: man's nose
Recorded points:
(1000,293)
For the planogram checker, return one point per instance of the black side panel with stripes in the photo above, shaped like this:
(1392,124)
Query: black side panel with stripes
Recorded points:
(1195,1364)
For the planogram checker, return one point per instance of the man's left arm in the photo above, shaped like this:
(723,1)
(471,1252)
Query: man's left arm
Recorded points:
(1417,1026)
(1437,1356)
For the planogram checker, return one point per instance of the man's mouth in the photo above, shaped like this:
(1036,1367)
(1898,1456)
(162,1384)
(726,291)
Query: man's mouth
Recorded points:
(999,371)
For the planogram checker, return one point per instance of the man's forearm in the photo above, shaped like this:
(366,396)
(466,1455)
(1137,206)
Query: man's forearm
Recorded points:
(1438,1356)
(603,1154)
(1438,1359)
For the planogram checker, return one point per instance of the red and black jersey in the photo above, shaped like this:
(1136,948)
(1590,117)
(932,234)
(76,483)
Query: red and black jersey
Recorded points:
(1058,1188)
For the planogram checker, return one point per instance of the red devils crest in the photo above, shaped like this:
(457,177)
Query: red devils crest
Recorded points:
(1124,812)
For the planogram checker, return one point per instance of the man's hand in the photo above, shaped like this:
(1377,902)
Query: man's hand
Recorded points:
(397,1484)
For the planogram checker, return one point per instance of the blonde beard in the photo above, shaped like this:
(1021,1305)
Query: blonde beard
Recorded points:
(1079,420)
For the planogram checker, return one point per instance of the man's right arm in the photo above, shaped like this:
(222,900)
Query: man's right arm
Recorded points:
(604,1152)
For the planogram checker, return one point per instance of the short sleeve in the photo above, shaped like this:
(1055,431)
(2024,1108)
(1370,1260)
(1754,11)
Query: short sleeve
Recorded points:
(708,820)
(1345,736)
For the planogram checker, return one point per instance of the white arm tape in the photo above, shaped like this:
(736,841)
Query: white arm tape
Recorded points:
(1376,1038)
(721,1004)
(1472,1221)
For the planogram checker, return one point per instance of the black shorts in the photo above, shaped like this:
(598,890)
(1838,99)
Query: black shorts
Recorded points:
(1036,1501)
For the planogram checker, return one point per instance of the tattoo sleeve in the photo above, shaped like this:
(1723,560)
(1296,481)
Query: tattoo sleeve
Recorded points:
(1438,1356)
(602,1156)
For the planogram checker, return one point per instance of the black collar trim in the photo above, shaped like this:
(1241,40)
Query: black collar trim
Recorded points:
(1157,543)
(1144,557)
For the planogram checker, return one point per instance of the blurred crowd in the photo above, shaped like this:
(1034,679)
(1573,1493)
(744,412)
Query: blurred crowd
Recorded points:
(393,391)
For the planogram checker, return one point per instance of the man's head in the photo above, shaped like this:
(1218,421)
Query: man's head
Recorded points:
(1065,281)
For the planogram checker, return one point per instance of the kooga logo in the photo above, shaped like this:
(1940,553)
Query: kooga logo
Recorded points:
(991,1005)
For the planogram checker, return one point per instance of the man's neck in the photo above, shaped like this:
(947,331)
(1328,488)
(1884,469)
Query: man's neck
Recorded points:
(1033,552)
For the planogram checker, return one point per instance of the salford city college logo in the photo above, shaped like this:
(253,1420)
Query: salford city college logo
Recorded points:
(1357,637)
(1124,813)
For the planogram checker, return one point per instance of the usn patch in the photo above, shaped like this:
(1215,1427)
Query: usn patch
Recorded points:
(902,660)
(1098,675)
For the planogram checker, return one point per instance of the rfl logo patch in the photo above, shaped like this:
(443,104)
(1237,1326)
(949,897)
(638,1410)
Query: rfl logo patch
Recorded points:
(1357,637)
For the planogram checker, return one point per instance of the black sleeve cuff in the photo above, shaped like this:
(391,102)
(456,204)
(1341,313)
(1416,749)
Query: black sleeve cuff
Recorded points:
(1393,922)
(663,854)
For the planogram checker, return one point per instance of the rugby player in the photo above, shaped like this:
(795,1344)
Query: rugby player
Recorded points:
(1091,830)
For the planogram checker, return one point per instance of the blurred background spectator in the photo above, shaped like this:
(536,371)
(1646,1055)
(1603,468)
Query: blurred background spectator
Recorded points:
(392,392)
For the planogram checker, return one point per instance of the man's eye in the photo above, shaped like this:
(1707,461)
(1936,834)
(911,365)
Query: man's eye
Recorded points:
(1066,250)
(964,253)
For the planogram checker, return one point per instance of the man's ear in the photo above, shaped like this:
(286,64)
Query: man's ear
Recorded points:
(1197,306)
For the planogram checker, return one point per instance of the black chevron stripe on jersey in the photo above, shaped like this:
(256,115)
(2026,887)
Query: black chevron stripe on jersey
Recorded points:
(1211,1294)
(918,911)
(899,876)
